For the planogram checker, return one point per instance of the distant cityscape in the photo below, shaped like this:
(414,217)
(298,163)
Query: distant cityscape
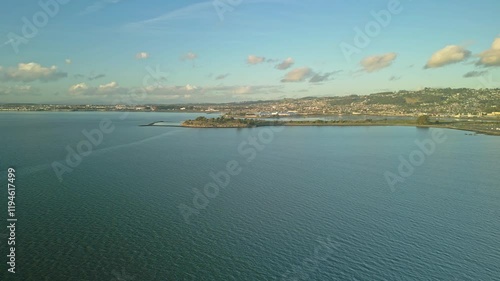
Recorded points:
(429,101)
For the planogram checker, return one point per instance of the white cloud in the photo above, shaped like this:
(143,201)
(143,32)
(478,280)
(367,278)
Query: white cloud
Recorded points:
(189,56)
(448,55)
(252,59)
(285,64)
(141,55)
(109,86)
(193,11)
(78,88)
(24,87)
(191,88)
(28,72)
(376,63)
(242,90)
(170,90)
(112,90)
(67,61)
(98,5)
(17,90)
(162,91)
(298,75)
(491,57)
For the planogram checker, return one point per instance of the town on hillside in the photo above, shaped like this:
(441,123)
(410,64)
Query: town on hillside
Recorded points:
(433,102)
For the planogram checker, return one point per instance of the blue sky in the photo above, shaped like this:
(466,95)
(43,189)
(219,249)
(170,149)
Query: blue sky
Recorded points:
(112,51)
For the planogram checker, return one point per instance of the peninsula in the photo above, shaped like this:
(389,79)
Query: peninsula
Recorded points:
(477,126)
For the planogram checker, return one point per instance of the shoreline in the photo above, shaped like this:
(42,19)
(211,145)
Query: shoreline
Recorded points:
(444,126)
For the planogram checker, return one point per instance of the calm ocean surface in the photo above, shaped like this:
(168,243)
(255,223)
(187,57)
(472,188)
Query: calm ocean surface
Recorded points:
(313,204)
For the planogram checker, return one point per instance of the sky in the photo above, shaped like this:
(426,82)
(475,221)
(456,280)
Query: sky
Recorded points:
(191,51)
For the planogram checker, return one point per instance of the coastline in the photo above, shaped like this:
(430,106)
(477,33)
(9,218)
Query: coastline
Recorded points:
(311,124)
